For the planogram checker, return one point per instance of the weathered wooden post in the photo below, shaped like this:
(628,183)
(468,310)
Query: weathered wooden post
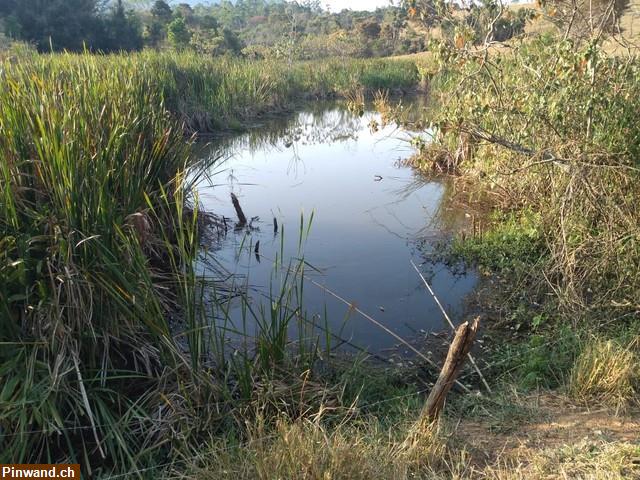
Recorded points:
(242,220)
(460,347)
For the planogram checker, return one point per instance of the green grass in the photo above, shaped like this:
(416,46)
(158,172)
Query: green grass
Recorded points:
(511,242)
(209,93)
(92,203)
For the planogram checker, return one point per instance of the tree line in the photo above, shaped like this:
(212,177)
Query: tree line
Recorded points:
(253,28)
(244,27)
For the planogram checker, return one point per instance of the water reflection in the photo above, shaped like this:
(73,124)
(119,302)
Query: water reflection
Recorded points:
(371,216)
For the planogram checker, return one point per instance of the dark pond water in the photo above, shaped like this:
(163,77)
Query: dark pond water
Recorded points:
(371,216)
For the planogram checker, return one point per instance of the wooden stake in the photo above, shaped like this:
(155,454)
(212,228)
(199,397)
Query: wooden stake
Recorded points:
(242,220)
(460,347)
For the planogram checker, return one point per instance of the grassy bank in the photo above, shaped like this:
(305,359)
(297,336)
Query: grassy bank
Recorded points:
(546,137)
(105,355)
(211,94)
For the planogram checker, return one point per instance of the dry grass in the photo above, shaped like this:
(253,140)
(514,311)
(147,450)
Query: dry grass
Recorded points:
(581,461)
(303,449)
(563,442)
(606,372)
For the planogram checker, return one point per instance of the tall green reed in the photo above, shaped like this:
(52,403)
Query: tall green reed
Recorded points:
(91,193)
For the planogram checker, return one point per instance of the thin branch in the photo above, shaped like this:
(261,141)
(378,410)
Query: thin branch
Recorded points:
(444,313)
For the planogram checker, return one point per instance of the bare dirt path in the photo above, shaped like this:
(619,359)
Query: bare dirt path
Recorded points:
(559,440)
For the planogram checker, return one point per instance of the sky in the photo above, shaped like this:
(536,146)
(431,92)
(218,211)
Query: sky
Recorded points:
(334,5)
(337,5)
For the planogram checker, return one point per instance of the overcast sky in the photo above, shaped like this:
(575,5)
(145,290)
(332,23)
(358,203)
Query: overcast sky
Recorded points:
(337,5)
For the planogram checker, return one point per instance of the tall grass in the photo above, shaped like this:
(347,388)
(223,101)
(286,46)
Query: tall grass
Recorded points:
(92,207)
(210,94)
(607,372)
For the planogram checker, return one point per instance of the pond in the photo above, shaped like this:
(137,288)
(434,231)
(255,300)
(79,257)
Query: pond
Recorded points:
(370,217)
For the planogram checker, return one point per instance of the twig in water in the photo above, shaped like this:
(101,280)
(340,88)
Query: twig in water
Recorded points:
(256,251)
(444,312)
(390,332)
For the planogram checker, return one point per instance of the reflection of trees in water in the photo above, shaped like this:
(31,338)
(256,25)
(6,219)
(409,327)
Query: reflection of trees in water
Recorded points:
(320,123)
(448,215)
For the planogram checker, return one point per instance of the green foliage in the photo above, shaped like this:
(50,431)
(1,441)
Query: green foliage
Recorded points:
(88,178)
(369,29)
(543,360)
(290,30)
(512,25)
(556,136)
(73,25)
(546,129)
(154,34)
(161,12)
(512,242)
(123,29)
(178,33)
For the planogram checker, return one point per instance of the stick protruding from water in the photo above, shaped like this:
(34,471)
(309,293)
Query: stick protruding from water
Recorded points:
(242,220)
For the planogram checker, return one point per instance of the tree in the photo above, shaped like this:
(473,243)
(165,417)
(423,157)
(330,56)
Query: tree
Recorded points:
(178,34)
(369,29)
(57,24)
(209,22)
(7,6)
(205,41)
(154,34)
(161,12)
(232,42)
(123,30)
(185,11)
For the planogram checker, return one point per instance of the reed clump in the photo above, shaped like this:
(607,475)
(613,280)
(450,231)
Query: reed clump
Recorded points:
(210,94)
(97,245)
